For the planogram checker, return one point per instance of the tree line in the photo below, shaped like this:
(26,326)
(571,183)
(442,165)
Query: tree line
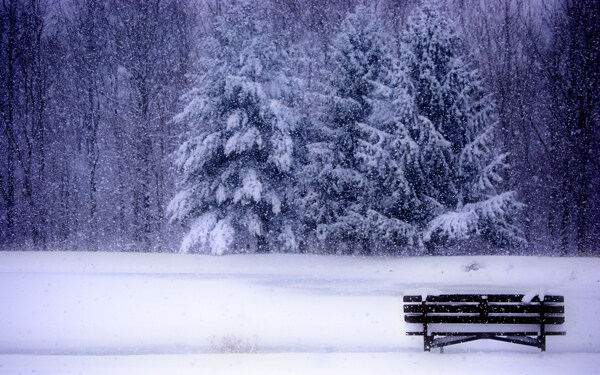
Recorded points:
(300,126)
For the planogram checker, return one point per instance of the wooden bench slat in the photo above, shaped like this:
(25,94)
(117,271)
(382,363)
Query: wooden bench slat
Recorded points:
(477,297)
(500,333)
(525,309)
(477,319)
(491,309)
(417,309)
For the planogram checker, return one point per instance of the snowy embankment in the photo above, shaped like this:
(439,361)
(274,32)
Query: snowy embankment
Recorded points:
(100,313)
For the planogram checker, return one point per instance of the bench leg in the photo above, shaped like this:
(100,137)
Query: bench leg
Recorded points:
(542,340)
(427,342)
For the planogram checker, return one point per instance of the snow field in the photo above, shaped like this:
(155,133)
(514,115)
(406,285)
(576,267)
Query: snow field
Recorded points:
(307,364)
(100,313)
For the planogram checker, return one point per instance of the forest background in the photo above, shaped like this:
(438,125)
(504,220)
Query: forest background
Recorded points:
(92,95)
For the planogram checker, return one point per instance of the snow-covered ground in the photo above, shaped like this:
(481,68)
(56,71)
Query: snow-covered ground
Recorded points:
(116,313)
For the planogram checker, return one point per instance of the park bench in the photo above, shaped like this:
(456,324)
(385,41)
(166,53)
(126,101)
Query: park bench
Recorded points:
(449,319)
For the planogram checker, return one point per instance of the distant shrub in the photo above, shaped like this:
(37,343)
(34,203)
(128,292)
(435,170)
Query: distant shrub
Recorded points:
(235,344)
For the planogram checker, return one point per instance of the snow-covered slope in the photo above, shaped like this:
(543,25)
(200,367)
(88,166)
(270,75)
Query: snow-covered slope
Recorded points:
(100,313)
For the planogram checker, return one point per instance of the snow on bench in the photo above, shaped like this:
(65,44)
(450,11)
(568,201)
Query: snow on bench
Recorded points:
(448,319)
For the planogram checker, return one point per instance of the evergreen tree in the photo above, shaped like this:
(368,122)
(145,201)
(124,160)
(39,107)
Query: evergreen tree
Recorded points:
(458,174)
(357,182)
(236,161)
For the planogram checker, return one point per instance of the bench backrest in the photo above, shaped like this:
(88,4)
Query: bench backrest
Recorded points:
(483,309)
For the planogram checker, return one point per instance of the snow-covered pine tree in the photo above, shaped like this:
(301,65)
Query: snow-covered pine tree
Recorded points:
(458,174)
(236,159)
(357,185)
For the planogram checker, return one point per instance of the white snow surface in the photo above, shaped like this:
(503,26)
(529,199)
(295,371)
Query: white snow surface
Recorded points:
(123,313)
